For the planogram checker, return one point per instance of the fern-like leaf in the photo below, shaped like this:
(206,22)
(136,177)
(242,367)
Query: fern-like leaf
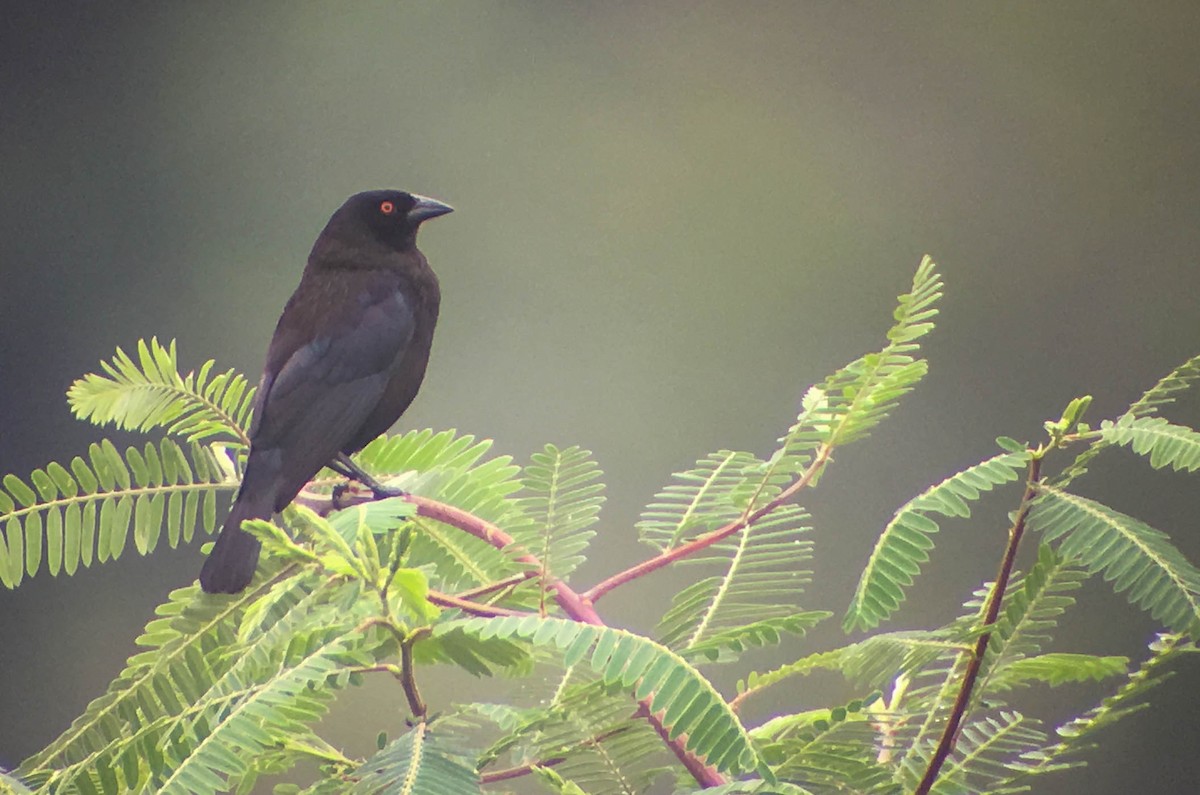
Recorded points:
(243,717)
(151,393)
(74,516)
(761,577)
(685,699)
(985,749)
(1030,614)
(1167,389)
(728,643)
(1138,560)
(451,468)
(1058,668)
(713,493)
(829,750)
(590,732)
(871,662)
(561,506)
(1077,735)
(156,683)
(1161,394)
(419,762)
(1165,444)
(852,401)
(905,542)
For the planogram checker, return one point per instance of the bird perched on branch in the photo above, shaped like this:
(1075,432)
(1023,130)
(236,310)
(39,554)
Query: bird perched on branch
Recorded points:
(346,360)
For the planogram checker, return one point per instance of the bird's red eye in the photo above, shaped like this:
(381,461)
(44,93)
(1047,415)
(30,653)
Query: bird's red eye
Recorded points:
(387,208)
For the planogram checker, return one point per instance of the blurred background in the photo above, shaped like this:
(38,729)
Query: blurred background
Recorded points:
(672,218)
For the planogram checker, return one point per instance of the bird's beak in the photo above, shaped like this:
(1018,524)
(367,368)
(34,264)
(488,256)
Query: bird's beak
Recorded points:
(427,208)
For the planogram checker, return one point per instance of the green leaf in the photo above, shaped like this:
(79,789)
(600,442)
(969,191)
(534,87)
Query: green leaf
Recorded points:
(686,700)
(712,494)
(419,762)
(412,588)
(757,634)
(1136,559)
(151,393)
(1077,735)
(856,398)
(560,507)
(88,512)
(1165,444)
(760,577)
(1057,669)
(1010,445)
(905,542)
(1030,613)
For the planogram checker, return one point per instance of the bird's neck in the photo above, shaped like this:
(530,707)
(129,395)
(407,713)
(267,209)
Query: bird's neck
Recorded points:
(333,254)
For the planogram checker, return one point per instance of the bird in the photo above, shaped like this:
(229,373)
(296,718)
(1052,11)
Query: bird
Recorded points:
(347,357)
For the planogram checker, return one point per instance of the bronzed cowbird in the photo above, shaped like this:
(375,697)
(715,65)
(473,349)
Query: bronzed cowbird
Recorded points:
(347,358)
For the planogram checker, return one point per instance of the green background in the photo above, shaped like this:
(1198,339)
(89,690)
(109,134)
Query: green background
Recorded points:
(672,218)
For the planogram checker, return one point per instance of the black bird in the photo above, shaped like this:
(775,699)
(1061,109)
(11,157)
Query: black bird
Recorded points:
(347,358)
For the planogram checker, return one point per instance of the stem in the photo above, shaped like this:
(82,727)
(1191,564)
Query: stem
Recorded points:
(692,547)
(408,678)
(381,668)
(992,611)
(406,672)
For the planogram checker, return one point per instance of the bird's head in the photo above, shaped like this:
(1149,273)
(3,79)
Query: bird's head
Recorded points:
(390,216)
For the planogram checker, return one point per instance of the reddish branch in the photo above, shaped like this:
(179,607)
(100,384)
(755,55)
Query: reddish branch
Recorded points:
(516,772)
(474,608)
(575,606)
(708,539)
(499,585)
(991,612)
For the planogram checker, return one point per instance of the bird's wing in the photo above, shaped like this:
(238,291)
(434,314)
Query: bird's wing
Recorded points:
(327,368)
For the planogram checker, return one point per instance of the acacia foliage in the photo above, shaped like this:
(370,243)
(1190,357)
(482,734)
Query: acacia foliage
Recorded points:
(229,690)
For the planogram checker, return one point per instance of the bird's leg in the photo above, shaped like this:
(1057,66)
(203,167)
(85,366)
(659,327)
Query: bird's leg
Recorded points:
(344,465)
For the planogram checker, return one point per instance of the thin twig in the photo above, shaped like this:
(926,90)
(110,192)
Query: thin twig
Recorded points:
(406,673)
(524,770)
(708,539)
(381,668)
(992,611)
(474,608)
(498,585)
(408,677)
(518,771)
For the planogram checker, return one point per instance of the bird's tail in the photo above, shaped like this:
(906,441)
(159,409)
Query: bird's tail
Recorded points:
(234,557)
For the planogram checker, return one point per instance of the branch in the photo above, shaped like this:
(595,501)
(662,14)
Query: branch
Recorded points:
(474,608)
(991,612)
(573,605)
(524,770)
(499,585)
(708,539)
(521,770)
(578,608)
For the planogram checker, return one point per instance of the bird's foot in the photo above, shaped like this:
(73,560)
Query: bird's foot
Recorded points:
(345,465)
(382,492)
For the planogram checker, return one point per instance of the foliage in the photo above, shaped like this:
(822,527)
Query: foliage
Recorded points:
(473,572)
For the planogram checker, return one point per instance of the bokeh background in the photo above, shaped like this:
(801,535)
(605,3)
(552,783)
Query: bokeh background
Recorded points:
(672,218)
